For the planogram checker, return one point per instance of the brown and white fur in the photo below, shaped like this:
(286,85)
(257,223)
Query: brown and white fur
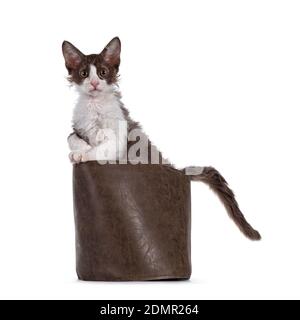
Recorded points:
(99,112)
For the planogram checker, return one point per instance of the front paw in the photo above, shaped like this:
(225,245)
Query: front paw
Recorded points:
(76,156)
(100,137)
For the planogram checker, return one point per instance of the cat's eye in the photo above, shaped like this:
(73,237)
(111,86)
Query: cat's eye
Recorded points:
(103,72)
(83,73)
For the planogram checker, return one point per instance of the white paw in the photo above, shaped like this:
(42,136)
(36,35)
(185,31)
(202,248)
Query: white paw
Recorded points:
(77,156)
(100,137)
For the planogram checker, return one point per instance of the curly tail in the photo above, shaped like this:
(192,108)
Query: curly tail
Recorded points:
(218,184)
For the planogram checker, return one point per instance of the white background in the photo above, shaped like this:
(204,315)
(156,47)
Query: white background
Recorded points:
(212,82)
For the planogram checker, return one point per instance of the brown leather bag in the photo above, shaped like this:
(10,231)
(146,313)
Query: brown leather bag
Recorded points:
(133,222)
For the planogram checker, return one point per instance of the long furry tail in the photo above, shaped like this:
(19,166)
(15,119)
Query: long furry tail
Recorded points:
(219,185)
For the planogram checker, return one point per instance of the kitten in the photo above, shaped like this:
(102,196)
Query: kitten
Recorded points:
(99,119)
(104,131)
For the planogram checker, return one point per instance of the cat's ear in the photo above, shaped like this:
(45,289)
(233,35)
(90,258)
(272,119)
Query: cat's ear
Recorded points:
(111,53)
(72,55)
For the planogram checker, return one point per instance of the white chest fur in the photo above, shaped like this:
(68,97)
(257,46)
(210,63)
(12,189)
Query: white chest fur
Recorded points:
(92,114)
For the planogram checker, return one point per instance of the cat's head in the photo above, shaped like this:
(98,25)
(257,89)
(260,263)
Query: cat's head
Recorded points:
(93,74)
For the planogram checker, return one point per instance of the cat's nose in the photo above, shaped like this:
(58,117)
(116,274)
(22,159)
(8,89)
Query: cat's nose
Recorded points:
(95,83)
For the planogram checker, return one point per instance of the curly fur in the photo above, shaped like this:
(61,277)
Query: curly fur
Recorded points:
(218,184)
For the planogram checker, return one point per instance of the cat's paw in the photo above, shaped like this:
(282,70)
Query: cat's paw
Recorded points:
(100,137)
(76,156)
